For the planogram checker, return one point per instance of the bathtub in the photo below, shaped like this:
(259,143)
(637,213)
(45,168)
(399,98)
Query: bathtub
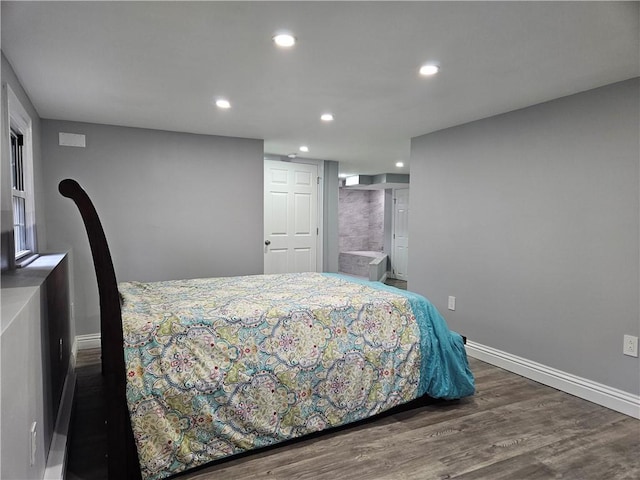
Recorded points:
(371,265)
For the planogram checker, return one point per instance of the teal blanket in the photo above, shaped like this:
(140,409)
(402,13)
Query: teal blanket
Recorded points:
(444,369)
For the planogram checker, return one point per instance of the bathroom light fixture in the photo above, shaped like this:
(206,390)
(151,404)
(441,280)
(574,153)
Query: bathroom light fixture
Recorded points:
(399,164)
(304,148)
(326,117)
(284,40)
(222,103)
(429,69)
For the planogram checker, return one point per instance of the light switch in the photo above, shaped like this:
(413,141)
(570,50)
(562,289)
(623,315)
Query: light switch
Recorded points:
(452,303)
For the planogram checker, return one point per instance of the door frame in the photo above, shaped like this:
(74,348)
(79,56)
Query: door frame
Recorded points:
(320,200)
(392,273)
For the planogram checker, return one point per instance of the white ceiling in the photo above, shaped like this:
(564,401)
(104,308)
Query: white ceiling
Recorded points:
(161,64)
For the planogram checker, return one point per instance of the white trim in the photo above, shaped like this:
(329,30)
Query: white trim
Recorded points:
(85,342)
(17,113)
(393,236)
(598,393)
(57,458)
(74,350)
(320,216)
(20,120)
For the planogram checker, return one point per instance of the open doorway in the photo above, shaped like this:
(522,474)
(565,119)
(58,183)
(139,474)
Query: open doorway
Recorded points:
(373,232)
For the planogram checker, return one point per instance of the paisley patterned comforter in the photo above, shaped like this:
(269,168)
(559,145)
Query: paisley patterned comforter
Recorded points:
(219,366)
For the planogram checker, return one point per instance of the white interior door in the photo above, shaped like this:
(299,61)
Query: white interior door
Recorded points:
(290,217)
(400,240)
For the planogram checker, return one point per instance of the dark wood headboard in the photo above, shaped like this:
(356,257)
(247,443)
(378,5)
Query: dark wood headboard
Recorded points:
(123,458)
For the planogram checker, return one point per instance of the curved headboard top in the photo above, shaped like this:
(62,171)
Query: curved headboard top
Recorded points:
(110,313)
(69,188)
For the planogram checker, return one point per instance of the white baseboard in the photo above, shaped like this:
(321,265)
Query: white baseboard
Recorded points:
(57,459)
(85,342)
(598,393)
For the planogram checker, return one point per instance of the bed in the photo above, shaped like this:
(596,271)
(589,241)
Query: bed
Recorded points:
(201,370)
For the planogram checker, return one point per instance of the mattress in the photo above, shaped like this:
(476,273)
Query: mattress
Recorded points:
(219,366)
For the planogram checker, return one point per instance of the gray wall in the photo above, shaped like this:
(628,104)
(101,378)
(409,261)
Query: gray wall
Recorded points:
(330,217)
(531,219)
(172,205)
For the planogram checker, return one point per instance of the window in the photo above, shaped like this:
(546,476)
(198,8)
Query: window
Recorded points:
(21,181)
(18,196)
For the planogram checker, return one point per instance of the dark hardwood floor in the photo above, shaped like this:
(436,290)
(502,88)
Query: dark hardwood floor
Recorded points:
(513,428)
(88,442)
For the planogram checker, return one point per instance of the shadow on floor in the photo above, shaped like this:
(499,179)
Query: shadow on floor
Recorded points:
(402,284)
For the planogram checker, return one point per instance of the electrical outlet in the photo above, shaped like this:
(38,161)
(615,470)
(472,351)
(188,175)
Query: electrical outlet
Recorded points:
(33,443)
(452,303)
(630,346)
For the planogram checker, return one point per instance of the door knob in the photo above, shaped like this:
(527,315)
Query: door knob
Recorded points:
(267,242)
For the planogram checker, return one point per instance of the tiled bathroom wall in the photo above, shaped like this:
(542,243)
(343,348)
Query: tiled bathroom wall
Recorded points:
(376,220)
(361,220)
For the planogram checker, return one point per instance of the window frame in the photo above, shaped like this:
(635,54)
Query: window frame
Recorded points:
(20,123)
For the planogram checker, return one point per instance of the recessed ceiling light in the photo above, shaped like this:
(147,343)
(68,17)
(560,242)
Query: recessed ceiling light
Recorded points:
(304,148)
(222,103)
(326,117)
(429,69)
(285,40)
(399,164)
